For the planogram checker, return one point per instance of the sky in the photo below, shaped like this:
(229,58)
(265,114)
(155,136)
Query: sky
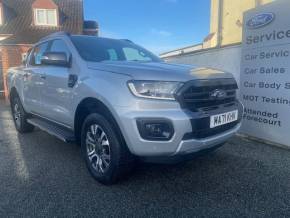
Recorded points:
(158,25)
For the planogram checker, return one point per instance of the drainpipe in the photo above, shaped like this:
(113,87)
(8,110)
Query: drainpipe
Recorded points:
(2,75)
(220,23)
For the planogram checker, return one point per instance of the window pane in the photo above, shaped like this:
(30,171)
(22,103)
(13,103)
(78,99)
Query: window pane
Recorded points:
(40,17)
(133,54)
(0,16)
(51,17)
(99,49)
(38,53)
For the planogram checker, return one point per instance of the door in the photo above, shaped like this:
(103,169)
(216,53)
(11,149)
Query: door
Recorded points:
(57,95)
(33,80)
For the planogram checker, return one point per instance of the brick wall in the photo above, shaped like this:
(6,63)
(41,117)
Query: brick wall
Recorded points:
(11,56)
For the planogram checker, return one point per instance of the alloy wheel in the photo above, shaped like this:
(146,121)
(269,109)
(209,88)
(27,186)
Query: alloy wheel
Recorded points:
(17,114)
(98,148)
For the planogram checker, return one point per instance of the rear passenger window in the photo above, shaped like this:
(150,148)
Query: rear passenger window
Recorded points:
(37,53)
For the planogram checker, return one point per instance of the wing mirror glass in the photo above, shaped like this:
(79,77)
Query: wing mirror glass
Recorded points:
(56,59)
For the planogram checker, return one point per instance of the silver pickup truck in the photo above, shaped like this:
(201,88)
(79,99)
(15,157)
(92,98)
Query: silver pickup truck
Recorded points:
(121,103)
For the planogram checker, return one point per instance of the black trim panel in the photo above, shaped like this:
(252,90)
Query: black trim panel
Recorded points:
(195,95)
(141,122)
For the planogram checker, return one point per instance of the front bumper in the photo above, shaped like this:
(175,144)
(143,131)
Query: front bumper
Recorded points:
(182,121)
(193,145)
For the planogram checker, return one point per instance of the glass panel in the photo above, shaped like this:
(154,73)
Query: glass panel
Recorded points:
(40,17)
(133,54)
(51,17)
(38,53)
(0,15)
(100,49)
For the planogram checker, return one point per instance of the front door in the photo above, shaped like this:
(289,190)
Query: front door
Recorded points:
(57,95)
(33,80)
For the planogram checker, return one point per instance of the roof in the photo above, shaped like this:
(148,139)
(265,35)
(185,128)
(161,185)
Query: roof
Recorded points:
(19,20)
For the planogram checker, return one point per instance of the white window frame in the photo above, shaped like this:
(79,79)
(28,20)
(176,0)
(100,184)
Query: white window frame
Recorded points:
(1,15)
(36,21)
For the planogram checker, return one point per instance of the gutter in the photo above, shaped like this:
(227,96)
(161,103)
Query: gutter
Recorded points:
(203,50)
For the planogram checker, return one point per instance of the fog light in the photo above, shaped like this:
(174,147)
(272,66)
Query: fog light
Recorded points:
(155,129)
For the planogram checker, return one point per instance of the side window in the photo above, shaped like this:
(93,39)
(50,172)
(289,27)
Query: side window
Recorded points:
(60,46)
(132,54)
(37,53)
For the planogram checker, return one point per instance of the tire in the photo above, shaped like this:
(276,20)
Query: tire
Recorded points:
(20,116)
(106,155)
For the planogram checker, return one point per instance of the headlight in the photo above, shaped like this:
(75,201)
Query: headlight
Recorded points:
(154,89)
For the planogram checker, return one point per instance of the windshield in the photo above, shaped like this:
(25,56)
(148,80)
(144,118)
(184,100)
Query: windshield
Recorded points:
(101,49)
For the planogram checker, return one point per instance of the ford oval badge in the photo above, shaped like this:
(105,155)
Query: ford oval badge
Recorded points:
(260,20)
(218,94)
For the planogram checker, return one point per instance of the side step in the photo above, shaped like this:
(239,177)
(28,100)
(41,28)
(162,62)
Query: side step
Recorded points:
(53,129)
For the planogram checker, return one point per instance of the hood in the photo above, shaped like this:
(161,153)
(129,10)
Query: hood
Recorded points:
(158,70)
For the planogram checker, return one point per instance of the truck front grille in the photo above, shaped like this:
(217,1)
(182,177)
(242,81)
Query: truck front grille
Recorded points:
(203,95)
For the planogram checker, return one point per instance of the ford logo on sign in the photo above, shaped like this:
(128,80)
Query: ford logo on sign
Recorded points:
(260,20)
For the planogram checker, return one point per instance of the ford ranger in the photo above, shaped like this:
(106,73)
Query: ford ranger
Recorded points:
(121,103)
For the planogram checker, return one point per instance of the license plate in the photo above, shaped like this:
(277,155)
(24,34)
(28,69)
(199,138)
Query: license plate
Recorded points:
(222,119)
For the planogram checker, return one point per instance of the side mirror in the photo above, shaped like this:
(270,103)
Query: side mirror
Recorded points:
(56,59)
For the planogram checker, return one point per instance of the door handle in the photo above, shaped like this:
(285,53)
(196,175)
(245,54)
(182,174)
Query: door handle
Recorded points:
(72,80)
(43,77)
(26,75)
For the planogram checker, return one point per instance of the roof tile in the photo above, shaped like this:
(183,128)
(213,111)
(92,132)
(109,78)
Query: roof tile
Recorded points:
(19,23)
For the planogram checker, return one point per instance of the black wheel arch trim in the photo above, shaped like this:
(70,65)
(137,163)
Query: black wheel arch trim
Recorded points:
(92,102)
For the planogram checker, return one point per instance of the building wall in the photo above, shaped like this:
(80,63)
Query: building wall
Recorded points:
(227,19)
(11,56)
(227,59)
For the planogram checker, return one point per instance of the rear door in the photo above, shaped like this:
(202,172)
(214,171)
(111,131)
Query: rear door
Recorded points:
(33,80)
(57,94)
